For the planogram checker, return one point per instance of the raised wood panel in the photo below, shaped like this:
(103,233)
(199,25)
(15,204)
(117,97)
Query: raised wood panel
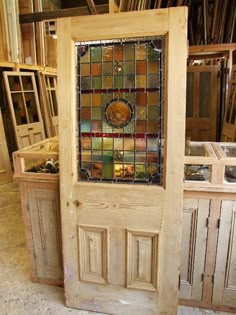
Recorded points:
(194,235)
(45,220)
(93,249)
(142,260)
(225,279)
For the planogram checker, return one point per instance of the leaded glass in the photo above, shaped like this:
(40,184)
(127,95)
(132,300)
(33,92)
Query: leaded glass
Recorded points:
(120,109)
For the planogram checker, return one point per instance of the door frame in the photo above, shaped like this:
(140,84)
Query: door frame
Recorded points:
(171,22)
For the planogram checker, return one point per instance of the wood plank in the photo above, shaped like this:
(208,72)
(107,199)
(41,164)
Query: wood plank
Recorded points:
(52,15)
(91,6)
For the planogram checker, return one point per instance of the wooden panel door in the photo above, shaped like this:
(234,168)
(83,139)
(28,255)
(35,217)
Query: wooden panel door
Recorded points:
(194,240)
(24,106)
(121,228)
(5,165)
(202,104)
(225,277)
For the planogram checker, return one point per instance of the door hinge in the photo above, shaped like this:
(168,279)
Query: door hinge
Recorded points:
(218,223)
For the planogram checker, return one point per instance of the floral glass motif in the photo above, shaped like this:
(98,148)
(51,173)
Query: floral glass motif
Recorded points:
(120,86)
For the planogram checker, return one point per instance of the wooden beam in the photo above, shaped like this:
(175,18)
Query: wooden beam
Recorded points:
(211,48)
(91,6)
(52,15)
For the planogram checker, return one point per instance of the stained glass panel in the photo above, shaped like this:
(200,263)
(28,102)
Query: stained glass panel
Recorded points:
(120,110)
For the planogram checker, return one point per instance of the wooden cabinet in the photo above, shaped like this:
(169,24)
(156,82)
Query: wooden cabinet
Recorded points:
(41,210)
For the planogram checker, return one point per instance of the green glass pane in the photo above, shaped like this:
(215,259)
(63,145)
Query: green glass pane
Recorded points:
(108,156)
(85,69)
(129,67)
(97,156)
(85,126)
(86,156)
(107,143)
(118,171)
(96,82)
(151,170)
(85,83)
(128,156)
(129,144)
(152,81)
(107,171)
(86,143)
(85,99)
(97,143)
(140,145)
(141,113)
(130,97)
(96,54)
(129,128)
(106,98)
(140,157)
(106,128)
(128,51)
(129,81)
(118,144)
(140,52)
(96,112)
(107,68)
(97,170)
(107,53)
(96,126)
(118,81)
(152,157)
(152,54)
(107,82)
(140,171)
(152,144)
(153,112)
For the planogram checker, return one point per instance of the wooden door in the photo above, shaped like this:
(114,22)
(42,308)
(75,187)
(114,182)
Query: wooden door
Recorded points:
(224,277)
(202,104)
(193,251)
(5,165)
(48,89)
(24,106)
(121,191)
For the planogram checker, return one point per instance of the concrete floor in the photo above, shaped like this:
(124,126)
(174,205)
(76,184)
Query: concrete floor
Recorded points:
(18,295)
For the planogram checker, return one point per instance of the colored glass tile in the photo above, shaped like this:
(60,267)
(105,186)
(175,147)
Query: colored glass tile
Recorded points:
(97,143)
(107,82)
(96,82)
(107,143)
(85,69)
(106,128)
(97,170)
(152,54)
(118,52)
(96,54)
(118,81)
(107,53)
(152,80)
(96,112)
(96,99)
(141,126)
(107,170)
(129,144)
(140,52)
(97,156)
(107,156)
(96,126)
(85,83)
(130,97)
(153,98)
(106,98)
(86,143)
(128,171)
(86,156)
(129,67)
(141,98)
(140,171)
(118,171)
(118,144)
(128,51)
(107,68)
(141,81)
(152,170)
(129,128)
(141,113)
(152,126)
(153,112)
(85,126)
(96,69)
(128,156)
(85,99)
(87,166)
(86,57)
(140,144)
(152,144)
(141,67)
(140,157)
(85,113)
(129,81)
(153,66)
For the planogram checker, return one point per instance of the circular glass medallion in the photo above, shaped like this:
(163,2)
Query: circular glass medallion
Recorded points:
(118,112)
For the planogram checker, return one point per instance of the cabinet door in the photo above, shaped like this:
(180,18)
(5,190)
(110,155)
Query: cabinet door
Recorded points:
(193,248)
(224,292)
(43,206)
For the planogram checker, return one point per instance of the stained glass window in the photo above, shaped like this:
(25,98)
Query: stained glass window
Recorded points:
(120,110)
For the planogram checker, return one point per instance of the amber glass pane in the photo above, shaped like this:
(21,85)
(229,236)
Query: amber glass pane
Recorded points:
(107,53)
(85,100)
(141,98)
(85,69)
(118,53)
(140,52)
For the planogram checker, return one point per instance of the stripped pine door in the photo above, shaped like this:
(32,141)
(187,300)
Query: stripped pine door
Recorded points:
(121,191)
(5,165)
(24,106)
